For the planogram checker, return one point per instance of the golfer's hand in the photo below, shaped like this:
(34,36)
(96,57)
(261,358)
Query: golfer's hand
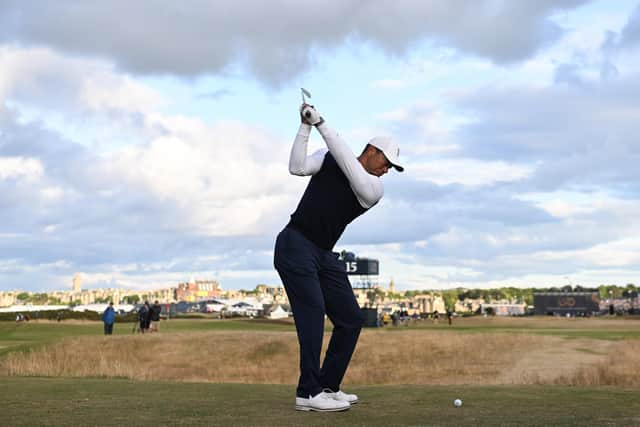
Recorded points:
(303,119)
(309,113)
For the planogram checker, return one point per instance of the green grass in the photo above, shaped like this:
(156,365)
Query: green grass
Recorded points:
(29,401)
(65,401)
(601,328)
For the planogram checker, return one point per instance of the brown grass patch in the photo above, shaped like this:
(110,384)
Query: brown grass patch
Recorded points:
(382,357)
(619,368)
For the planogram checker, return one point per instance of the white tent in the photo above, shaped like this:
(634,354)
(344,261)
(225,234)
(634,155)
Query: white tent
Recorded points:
(29,308)
(278,313)
(99,308)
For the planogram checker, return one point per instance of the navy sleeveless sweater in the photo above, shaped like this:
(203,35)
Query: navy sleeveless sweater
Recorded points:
(327,206)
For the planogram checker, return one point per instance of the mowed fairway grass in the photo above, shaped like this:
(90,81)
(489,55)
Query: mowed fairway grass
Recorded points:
(96,402)
(53,401)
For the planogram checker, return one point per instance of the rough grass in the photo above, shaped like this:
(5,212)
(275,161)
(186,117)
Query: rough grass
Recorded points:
(472,351)
(382,357)
(620,368)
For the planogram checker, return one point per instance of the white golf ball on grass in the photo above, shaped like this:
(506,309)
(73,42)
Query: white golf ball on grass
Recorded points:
(457,403)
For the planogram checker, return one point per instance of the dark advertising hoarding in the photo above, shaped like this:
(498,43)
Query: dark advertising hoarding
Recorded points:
(574,303)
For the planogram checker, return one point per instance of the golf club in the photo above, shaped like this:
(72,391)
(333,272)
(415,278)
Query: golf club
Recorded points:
(304,100)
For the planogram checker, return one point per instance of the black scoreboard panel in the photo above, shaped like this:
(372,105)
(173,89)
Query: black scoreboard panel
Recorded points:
(362,267)
(566,302)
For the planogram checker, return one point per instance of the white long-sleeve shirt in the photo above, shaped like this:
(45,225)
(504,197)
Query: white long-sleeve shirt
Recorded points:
(367,188)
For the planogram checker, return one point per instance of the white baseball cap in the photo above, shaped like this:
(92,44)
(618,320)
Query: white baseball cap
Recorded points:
(390,148)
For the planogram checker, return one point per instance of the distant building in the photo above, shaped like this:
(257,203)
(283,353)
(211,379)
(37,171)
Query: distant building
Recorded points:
(275,294)
(503,309)
(8,298)
(198,290)
(584,303)
(428,303)
(77,282)
(469,305)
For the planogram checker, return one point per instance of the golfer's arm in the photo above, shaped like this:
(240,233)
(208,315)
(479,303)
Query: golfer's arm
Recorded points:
(367,188)
(299,163)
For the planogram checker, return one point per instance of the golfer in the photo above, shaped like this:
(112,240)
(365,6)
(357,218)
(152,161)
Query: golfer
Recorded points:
(342,187)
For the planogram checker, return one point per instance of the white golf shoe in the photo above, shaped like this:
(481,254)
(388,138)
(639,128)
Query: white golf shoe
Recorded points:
(341,396)
(321,402)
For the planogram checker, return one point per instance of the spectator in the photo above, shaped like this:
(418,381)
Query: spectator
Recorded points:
(147,316)
(109,318)
(142,316)
(155,316)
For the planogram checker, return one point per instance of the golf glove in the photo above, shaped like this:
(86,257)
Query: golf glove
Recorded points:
(303,119)
(310,115)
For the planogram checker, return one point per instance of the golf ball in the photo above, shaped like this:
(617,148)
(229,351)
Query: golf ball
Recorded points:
(457,402)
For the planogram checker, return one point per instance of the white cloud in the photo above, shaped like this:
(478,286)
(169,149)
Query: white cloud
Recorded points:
(29,169)
(50,83)
(227,179)
(52,193)
(501,31)
(106,91)
(389,84)
(516,174)
(469,172)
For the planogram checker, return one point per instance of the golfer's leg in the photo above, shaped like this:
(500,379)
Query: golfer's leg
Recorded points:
(297,269)
(346,316)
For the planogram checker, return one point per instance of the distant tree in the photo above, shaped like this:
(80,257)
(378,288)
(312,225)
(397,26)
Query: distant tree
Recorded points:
(450,298)
(610,291)
(371,297)
(54,301)
(39,298)
(22,296)
(131,299)
(527,296)
(486,295)
(470,294)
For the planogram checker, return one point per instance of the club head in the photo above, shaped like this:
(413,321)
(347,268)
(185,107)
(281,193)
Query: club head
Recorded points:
(305,93)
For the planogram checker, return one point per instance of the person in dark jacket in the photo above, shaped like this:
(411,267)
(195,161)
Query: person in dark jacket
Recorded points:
(109,318)
(143,317)
(156,309)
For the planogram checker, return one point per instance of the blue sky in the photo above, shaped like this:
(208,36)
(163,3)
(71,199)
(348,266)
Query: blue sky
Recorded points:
(145,144)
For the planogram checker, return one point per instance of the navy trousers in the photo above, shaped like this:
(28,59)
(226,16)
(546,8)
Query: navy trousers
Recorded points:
(316,283)
(108,328)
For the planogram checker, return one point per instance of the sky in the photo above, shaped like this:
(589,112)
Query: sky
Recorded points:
(144,144)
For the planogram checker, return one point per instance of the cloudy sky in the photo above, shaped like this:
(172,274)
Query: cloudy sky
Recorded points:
(146,143)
